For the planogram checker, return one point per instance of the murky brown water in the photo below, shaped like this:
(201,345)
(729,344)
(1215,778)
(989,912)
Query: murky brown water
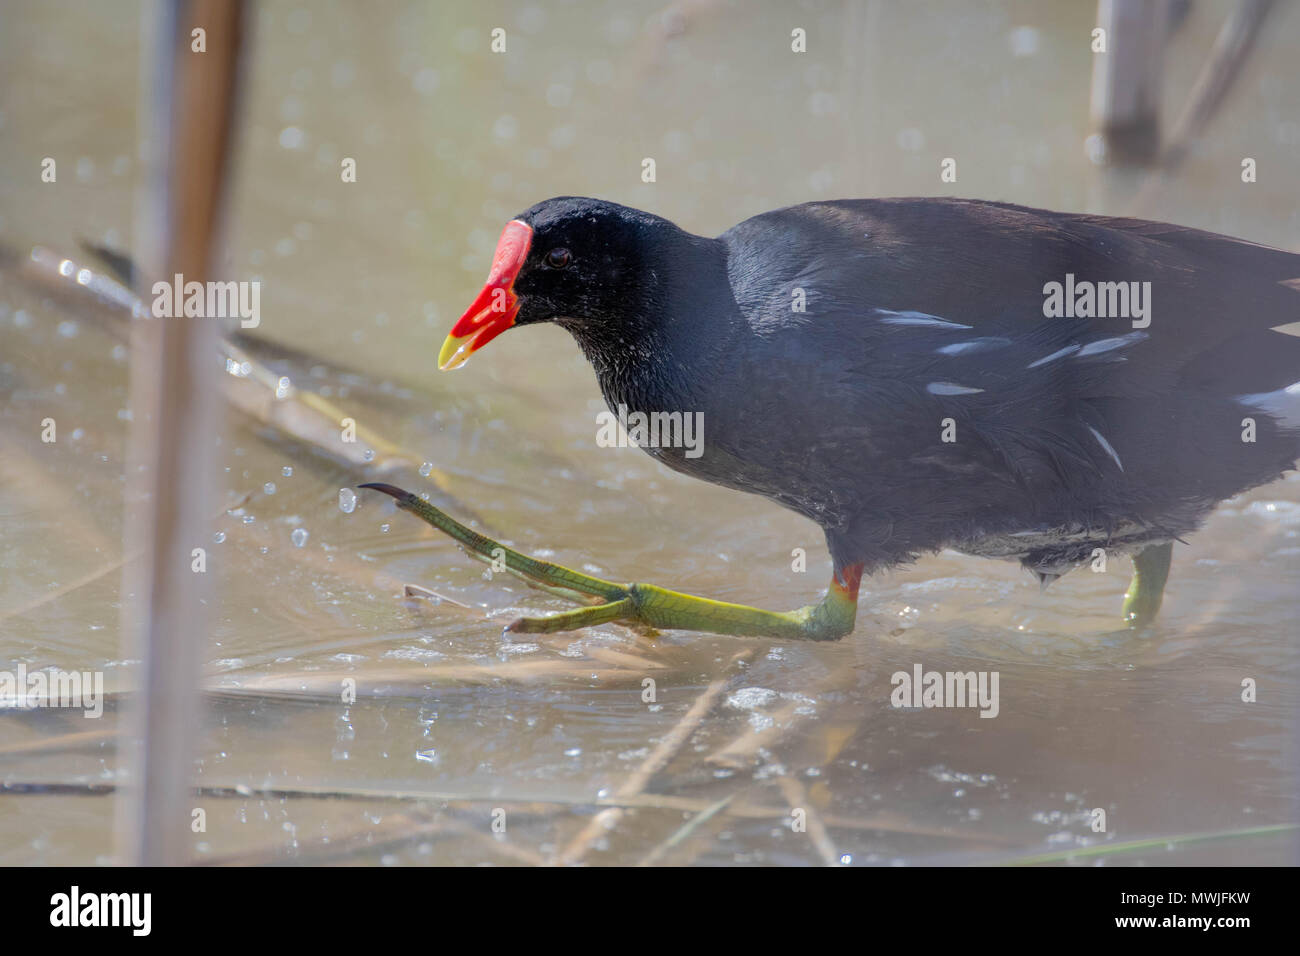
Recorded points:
(453,721)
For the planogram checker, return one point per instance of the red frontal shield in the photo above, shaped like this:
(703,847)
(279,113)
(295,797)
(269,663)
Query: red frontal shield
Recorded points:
(495,308)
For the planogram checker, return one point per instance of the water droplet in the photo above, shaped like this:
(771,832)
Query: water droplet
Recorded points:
(369,455)
(426,469)
(384,528)
(269,488)
(291,137)
(287,471)
(219,537)
(347,500)
(299,537)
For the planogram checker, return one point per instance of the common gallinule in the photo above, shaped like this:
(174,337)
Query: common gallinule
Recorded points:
(915,374)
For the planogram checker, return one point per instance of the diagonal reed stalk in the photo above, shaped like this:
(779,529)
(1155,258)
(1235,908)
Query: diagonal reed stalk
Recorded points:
(1152,843)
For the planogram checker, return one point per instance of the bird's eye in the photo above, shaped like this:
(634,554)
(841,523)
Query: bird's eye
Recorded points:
(557,258)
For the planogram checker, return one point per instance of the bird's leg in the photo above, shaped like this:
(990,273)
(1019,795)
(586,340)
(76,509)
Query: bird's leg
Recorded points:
(1145,591)
(645,604)
(672,610)
(554,578)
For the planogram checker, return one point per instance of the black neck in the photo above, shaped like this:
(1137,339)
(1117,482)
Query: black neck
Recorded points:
(650,356)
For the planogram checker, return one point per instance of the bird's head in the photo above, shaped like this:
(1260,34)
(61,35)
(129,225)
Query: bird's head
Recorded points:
(594,267)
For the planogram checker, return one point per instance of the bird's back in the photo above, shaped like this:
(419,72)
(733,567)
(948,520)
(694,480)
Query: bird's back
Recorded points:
(905,388)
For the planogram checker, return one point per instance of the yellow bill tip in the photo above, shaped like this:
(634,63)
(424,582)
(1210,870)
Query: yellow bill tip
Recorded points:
(455,352)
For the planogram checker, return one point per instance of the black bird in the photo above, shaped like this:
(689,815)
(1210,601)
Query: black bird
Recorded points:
(917,374)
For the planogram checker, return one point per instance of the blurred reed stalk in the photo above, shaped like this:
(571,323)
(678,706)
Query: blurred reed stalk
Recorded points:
(1127,78)
(187,114)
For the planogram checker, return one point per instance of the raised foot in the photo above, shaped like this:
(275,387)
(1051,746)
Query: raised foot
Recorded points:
(643,605)
(1147,589)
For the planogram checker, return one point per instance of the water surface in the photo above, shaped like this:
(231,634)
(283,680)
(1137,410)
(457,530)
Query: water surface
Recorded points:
(454,721)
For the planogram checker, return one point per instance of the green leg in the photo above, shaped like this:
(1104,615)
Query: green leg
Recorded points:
(644,604)
(1150,572)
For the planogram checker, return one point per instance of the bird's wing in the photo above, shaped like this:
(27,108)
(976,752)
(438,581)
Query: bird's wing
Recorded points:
(939,304)
(982,268)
